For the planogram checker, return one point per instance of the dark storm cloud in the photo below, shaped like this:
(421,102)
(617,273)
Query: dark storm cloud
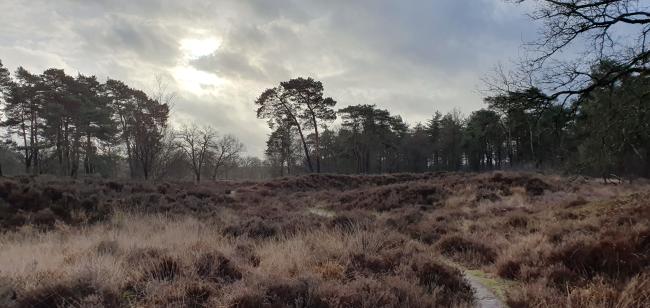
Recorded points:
(411,57)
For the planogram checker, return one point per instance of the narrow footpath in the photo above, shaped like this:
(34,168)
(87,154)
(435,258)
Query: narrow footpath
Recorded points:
(485,298)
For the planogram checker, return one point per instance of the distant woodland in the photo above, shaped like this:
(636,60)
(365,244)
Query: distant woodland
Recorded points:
(586,116)
(64,125)
(603,133)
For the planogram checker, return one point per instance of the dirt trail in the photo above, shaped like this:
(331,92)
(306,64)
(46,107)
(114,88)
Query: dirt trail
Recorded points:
(485,298)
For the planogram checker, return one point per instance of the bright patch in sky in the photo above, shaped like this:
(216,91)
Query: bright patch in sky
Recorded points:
(188,77)
(194,48)
(196,81)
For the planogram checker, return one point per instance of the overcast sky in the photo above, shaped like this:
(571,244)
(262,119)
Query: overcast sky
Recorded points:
(411,57)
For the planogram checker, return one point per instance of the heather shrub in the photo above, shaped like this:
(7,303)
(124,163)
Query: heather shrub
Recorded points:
(217,268)
(196,295)
(79,292)
(449,282)
(253,227)
(620,257)
(44,218)
(282,292)
(369,264)
(107,247)
(379,241)
(164,268)
(370,292)
(534,186)
(465,250)
(509,269)
(351,221)
(246,253)
(330,270)
(517,221)
(533,295)
(385,198)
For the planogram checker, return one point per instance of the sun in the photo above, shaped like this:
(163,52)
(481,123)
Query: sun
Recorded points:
(189,77)
(194,48)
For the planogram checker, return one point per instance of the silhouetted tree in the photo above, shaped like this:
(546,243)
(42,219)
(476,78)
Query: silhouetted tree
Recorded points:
(196,143)
(313,110)
(224,151)
(299,103)
(22,109)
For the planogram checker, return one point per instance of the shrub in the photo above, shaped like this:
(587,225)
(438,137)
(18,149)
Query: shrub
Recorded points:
(466,250)
(432,275)
(368,292)
(44,218)
(560,277)
(533,295)
(281,293)
(107,247)
(246,253)
(217,268)
(517,221)
(79,292)
(351,221)
(534,186)
(163,269)
(253,227)
(486,195)
(250,299)
(196,295)
(621,256)
(385,198)
(330,270)
(509,269)
(370,264)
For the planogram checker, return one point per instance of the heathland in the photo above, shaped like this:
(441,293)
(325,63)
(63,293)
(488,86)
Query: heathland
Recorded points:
(402,240)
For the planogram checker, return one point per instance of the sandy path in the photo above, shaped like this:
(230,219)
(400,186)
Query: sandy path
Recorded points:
(484,297)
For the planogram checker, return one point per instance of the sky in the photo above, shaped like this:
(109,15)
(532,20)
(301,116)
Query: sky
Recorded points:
(217,56)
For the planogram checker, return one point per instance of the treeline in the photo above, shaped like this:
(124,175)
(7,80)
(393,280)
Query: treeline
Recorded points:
(70,126)
(605,132)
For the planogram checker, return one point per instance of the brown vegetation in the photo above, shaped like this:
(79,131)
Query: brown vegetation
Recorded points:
(323,241)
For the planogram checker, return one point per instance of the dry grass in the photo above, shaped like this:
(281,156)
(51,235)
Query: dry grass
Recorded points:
(153,260)
(324,241)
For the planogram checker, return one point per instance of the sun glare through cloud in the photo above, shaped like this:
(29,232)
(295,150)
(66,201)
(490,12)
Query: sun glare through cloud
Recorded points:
(194,48)
(189,78)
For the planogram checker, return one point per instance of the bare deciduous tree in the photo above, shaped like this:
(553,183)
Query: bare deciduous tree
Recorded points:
(612,30)
(196,143)
(225,150)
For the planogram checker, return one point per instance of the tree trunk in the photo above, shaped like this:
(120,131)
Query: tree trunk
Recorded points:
(302,136)
(59,150)
(647,163)
(304,146)
(532,148)
(313,117)
(88,161)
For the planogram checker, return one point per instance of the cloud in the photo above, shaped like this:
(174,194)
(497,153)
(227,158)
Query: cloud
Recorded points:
(228,64)
(409,57)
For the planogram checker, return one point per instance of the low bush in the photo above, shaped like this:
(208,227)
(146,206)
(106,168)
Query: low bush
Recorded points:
(449,282)
(217,268)
(619,257)
(79,292)
(465,250)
